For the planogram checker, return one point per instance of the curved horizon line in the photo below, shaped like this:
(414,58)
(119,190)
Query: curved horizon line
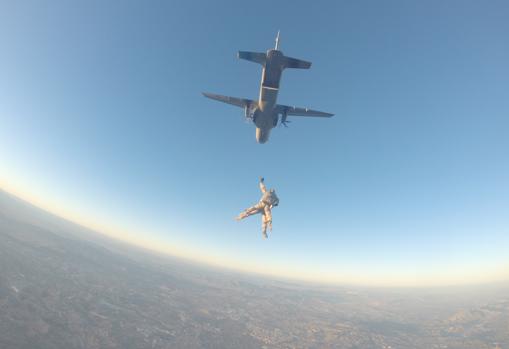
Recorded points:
(350,277)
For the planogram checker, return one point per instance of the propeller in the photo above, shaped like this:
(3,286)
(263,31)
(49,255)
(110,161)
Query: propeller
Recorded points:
(284,122)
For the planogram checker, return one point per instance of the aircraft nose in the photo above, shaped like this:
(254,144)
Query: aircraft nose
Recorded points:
(262,136)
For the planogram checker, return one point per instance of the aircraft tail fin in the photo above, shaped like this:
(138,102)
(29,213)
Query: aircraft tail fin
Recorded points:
(257,57)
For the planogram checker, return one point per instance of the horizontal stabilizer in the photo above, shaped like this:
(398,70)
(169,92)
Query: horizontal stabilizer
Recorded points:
(257,57)
(289,62)
(284,109)
(239,102)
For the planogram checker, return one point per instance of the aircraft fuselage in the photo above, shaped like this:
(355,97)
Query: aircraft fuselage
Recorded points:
(265,116)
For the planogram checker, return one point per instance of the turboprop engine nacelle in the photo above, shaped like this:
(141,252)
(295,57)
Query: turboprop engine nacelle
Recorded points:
(249,112)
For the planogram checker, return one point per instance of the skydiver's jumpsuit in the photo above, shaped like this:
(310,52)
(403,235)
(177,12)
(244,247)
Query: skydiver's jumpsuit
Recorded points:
(264,206)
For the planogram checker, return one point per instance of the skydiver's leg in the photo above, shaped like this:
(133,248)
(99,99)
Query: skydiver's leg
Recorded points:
(267,216)
(249,212)
(266,220)
(244,214)
(264,227)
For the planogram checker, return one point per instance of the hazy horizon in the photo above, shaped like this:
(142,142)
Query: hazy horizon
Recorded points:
(172,251)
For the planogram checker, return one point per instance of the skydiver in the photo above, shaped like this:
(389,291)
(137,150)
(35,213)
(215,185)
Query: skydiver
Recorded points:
(264,206)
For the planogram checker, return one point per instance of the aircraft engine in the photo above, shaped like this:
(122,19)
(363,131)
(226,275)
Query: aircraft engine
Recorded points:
(249,113)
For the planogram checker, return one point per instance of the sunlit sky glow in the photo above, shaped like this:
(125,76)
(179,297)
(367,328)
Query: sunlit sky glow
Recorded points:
(102,122)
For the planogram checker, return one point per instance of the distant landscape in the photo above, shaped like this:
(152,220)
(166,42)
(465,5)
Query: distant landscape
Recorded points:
(64,286)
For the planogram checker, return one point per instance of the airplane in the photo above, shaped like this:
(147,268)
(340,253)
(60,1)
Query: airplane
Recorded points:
(265,113)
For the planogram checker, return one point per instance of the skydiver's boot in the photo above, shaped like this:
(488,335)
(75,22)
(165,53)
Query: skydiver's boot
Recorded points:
(264,230)
(268,224)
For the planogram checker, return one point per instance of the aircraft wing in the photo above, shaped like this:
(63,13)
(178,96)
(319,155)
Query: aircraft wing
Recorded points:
(239,102)
(284,109)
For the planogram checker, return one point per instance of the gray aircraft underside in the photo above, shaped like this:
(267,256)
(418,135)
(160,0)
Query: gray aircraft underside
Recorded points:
(265,113)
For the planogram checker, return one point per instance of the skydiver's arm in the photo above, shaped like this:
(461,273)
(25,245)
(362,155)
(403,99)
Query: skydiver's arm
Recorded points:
(262,185)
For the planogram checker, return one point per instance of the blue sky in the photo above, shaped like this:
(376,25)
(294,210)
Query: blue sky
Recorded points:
(102,117)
